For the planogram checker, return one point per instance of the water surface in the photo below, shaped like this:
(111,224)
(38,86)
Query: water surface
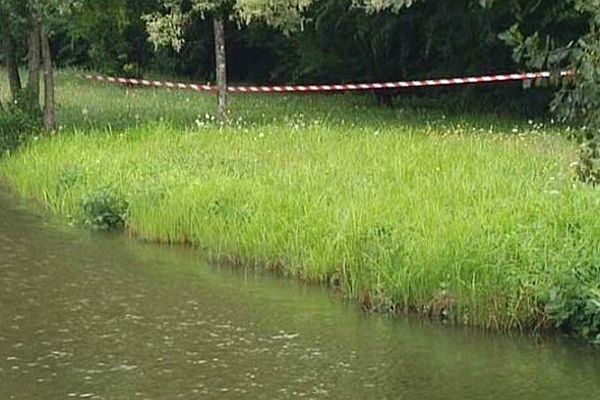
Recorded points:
(86,315)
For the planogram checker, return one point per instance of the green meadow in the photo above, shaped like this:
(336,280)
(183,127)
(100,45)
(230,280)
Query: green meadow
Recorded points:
(471,219)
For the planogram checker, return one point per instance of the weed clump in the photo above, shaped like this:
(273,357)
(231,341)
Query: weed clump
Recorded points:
(574,303)
(105,209)
(20,120)
(588,166)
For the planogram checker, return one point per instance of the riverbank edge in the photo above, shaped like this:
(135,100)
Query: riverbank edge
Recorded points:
(438,307)
(368,301)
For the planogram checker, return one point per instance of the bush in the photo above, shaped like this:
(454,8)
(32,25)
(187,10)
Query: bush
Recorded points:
(19,121)
(577,103)
(105,209)
(574,304)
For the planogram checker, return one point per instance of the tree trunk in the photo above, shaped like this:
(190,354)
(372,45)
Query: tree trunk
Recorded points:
(34,57)
(12,66)
(221,67)
(49,107)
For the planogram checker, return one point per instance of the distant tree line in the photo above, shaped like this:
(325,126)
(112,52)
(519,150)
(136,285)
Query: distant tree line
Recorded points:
(294,41)
(332,40)
(338,40)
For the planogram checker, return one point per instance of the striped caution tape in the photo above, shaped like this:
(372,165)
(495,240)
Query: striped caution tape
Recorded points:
(330,88)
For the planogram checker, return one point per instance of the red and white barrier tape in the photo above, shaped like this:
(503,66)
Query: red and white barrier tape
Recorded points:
(330,88)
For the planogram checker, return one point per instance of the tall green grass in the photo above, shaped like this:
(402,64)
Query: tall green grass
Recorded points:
(469,219)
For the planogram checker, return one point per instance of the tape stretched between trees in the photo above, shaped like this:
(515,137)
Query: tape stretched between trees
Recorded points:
(330,88)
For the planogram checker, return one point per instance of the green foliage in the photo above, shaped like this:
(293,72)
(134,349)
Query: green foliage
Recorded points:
(578,101)
(167,27)
(331,40)
(574,303)
(379,5)
(19,121)
(285,15)
(110,34)
(105,209)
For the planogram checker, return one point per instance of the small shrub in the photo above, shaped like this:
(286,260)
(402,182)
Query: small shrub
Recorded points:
(578,100)
(20,120)
(588,167)
(105,210)
(574,304)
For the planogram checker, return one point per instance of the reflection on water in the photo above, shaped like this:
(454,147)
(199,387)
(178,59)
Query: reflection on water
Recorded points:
(84,315)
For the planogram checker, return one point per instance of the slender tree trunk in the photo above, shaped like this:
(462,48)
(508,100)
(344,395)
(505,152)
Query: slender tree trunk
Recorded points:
(49,106)
(221,67)
(12,66)
(34,57)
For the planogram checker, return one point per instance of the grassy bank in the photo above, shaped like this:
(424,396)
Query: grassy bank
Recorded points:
(471,219)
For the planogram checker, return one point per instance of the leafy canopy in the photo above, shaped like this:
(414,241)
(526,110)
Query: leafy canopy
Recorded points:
(381,5)
(167,28)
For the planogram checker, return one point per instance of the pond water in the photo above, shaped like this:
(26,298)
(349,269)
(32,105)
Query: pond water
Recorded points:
(87,315)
